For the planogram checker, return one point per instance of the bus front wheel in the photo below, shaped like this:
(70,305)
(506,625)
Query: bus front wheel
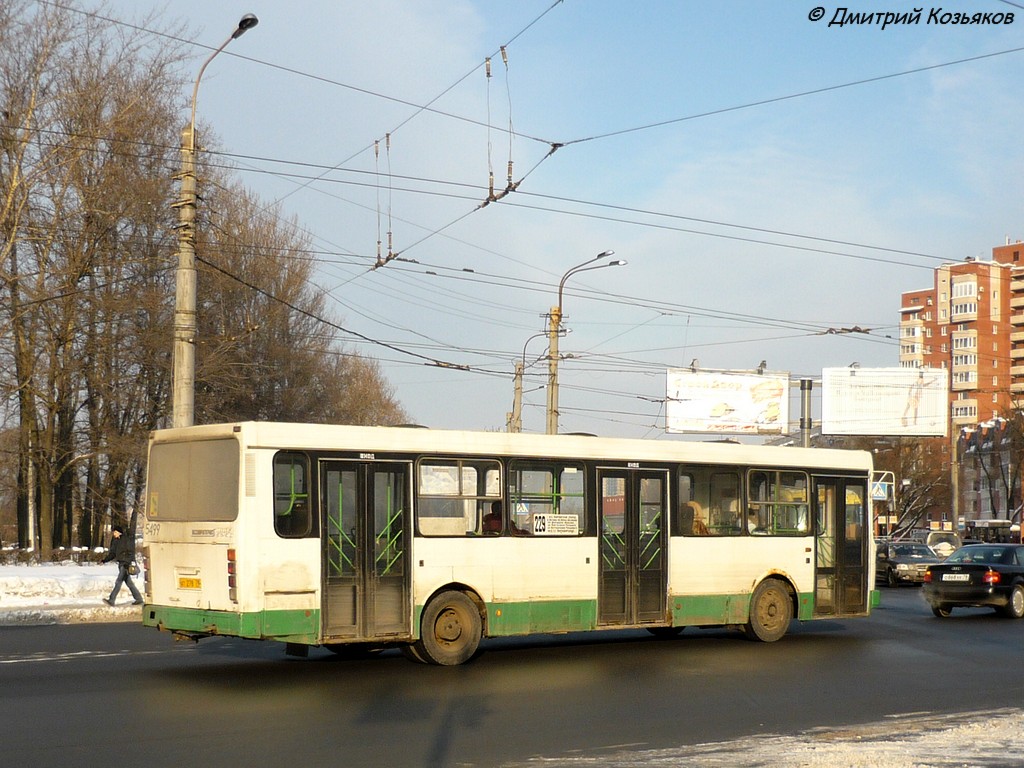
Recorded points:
(771,610)
(450,630)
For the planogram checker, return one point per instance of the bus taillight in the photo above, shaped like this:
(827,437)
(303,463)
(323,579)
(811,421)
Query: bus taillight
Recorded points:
(232,576)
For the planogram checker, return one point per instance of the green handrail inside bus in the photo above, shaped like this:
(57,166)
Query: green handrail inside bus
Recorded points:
(293,497)
(390,541)
(337,543)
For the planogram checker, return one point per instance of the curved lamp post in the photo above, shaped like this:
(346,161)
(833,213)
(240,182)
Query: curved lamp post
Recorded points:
(183,378)
(515,418)
(554,328)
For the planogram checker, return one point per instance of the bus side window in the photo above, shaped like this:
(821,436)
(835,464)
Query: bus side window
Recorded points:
(546,499)
(453,495)
(292,515)
(779,500)
(724,500)
(691,517)
(708,502)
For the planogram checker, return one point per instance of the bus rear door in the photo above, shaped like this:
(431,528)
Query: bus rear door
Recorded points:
(365,524)
(841,553)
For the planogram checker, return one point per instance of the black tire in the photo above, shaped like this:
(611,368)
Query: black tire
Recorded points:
(890,578)
(413,655)
(353,650)
(942,611)
(450,630)
(666,633)
(771,610)
(1014,608)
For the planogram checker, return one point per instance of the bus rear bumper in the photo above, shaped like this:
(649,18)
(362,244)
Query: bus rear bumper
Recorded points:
(297,626)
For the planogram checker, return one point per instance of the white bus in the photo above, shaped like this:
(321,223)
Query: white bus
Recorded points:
(360,538)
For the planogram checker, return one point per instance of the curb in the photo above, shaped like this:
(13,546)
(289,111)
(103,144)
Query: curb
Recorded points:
(69,614)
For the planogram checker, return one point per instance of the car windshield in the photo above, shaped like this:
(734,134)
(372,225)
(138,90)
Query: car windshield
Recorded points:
(911,550)
(978,554)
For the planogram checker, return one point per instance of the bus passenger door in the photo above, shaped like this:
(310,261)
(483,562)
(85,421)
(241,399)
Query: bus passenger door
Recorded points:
(632,514)
(365,522)
(841,556)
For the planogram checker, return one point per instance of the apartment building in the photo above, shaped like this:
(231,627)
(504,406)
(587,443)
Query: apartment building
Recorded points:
(968,322)
(971,322)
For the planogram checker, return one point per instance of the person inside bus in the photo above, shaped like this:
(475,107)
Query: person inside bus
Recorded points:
(694,515)
(513,524)
(492,520)
(753,524)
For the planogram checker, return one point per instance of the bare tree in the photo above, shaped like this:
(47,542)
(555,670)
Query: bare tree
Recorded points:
(27,84)
(267,346)
(82,144)
(920,469)
(995,451)
(87,154)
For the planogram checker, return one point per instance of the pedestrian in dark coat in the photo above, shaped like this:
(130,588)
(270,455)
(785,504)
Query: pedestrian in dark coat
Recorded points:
(123,552)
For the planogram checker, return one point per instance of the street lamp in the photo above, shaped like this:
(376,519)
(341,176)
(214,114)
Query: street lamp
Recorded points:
(183,376)
(554,327)
(514,421)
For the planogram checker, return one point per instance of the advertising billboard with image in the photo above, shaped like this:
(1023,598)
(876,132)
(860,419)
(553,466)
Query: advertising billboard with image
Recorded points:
(884,401)
(698,401)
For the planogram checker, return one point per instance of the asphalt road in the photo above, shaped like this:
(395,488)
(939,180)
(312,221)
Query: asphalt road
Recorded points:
(117,694)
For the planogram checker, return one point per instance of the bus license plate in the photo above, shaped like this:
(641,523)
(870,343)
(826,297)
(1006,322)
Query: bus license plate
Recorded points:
(189,583)
(956,577)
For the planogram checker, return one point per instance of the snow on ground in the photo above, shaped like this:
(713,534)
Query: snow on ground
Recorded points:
(63,593)
(986,739)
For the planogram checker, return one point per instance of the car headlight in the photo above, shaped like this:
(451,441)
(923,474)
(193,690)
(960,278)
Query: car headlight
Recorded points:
(902,567)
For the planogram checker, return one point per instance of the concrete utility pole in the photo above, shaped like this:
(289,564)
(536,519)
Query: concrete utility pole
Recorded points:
(554,327)
(514,420)
(183,377)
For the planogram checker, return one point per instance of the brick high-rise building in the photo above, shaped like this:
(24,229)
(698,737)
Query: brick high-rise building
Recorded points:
(966,323)
(971,322)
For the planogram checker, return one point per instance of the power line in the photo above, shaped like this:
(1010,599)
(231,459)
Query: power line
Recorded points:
(791,96)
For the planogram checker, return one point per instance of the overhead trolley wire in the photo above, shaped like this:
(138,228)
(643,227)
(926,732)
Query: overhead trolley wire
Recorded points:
(554,146)
(791,96)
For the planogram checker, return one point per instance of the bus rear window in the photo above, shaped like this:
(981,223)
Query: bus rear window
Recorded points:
(193,482)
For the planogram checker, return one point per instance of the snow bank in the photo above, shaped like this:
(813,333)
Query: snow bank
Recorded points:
(62,593)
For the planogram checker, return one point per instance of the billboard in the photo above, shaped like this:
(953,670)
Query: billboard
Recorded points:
(884,401)
(698,401)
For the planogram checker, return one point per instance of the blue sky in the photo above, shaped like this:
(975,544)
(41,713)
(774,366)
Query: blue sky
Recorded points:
(749,228)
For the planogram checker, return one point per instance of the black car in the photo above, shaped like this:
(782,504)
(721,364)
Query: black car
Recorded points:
(899,562)
(978,575)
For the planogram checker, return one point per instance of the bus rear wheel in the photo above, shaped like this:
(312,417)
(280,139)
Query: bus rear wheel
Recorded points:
(771,610)
(450,630)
